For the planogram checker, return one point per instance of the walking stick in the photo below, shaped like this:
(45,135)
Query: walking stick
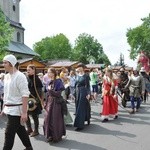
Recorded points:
(121,105)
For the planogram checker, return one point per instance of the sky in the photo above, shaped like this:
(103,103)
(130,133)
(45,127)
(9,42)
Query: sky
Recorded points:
(105,20)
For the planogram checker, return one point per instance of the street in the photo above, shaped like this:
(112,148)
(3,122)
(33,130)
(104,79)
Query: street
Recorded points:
(128,132)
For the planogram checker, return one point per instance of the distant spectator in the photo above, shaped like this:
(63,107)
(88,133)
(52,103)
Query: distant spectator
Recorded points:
(1,89)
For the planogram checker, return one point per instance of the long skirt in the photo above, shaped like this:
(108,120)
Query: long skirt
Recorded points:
(109,107)
(54,126)
(83,108)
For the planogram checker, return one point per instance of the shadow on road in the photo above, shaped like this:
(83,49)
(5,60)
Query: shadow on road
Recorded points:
(76,145)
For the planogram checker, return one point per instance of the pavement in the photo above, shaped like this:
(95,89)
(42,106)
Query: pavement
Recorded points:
(128,132)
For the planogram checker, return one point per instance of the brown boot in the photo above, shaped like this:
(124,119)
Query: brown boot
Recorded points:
(34,133)
(29,131)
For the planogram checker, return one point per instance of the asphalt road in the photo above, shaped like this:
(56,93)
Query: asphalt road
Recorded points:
(128,132)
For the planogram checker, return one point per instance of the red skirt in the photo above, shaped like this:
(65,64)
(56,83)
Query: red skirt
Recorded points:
(109,106)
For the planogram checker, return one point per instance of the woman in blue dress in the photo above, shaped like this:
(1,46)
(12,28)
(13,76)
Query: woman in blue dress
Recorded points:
(82,95)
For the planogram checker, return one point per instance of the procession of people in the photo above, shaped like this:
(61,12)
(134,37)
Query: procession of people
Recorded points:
(34,92)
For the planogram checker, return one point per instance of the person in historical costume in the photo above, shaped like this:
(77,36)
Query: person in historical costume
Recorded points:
(72,80)
(115,96)
(35,87)
(147,83)
(54,126)
(144,61)
(1,89)
(109,108)
(123,81)
(16,95)
(64,77)
(136,86)
(82,95)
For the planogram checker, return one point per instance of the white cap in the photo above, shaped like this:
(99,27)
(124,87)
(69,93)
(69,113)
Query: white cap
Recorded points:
(11,58)
(142,69)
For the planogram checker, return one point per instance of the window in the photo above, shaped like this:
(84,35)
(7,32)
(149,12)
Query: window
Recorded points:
(18,37)
(14,8)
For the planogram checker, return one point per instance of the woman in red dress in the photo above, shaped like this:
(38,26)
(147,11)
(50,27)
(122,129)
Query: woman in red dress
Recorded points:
(109,97)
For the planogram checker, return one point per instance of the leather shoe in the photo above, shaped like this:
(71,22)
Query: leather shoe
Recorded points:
(105,120)
(88,122)
(34,133)
(78,129)
(116,117)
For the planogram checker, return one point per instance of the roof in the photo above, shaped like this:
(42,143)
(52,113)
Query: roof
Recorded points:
(24,60)
(21,48)
(23,63)
(15,24)
(119,67)
(94,65)
(27,61)
(64,64)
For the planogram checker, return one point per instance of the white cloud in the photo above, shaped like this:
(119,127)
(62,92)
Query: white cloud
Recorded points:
(106,20)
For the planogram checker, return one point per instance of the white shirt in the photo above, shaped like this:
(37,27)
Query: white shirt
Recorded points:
(15,87)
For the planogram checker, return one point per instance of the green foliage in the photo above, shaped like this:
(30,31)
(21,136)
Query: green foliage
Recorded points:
(86,47)
(55,47)
(58,47)
(5,34)
(139,38)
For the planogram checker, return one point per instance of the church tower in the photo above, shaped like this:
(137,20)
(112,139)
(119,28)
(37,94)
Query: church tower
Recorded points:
(11,9)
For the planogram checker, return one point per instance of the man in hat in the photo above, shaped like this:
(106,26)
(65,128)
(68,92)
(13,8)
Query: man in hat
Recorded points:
(16,95)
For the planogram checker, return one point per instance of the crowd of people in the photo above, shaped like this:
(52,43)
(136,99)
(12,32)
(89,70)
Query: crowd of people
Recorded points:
(23,96)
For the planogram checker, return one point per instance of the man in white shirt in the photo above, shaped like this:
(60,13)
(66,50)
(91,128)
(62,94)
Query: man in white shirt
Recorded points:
(16,95)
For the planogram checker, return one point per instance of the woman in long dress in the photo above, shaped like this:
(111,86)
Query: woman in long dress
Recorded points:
(54,126)
(109,97)
(82,98)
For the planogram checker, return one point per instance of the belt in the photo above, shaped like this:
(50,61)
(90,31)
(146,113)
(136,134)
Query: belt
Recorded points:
(135,86)
(11,105)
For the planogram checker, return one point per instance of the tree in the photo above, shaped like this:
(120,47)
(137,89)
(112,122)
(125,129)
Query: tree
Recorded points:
(121,61)
(86,47)
(139,38)
(5,34)
(55,47)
